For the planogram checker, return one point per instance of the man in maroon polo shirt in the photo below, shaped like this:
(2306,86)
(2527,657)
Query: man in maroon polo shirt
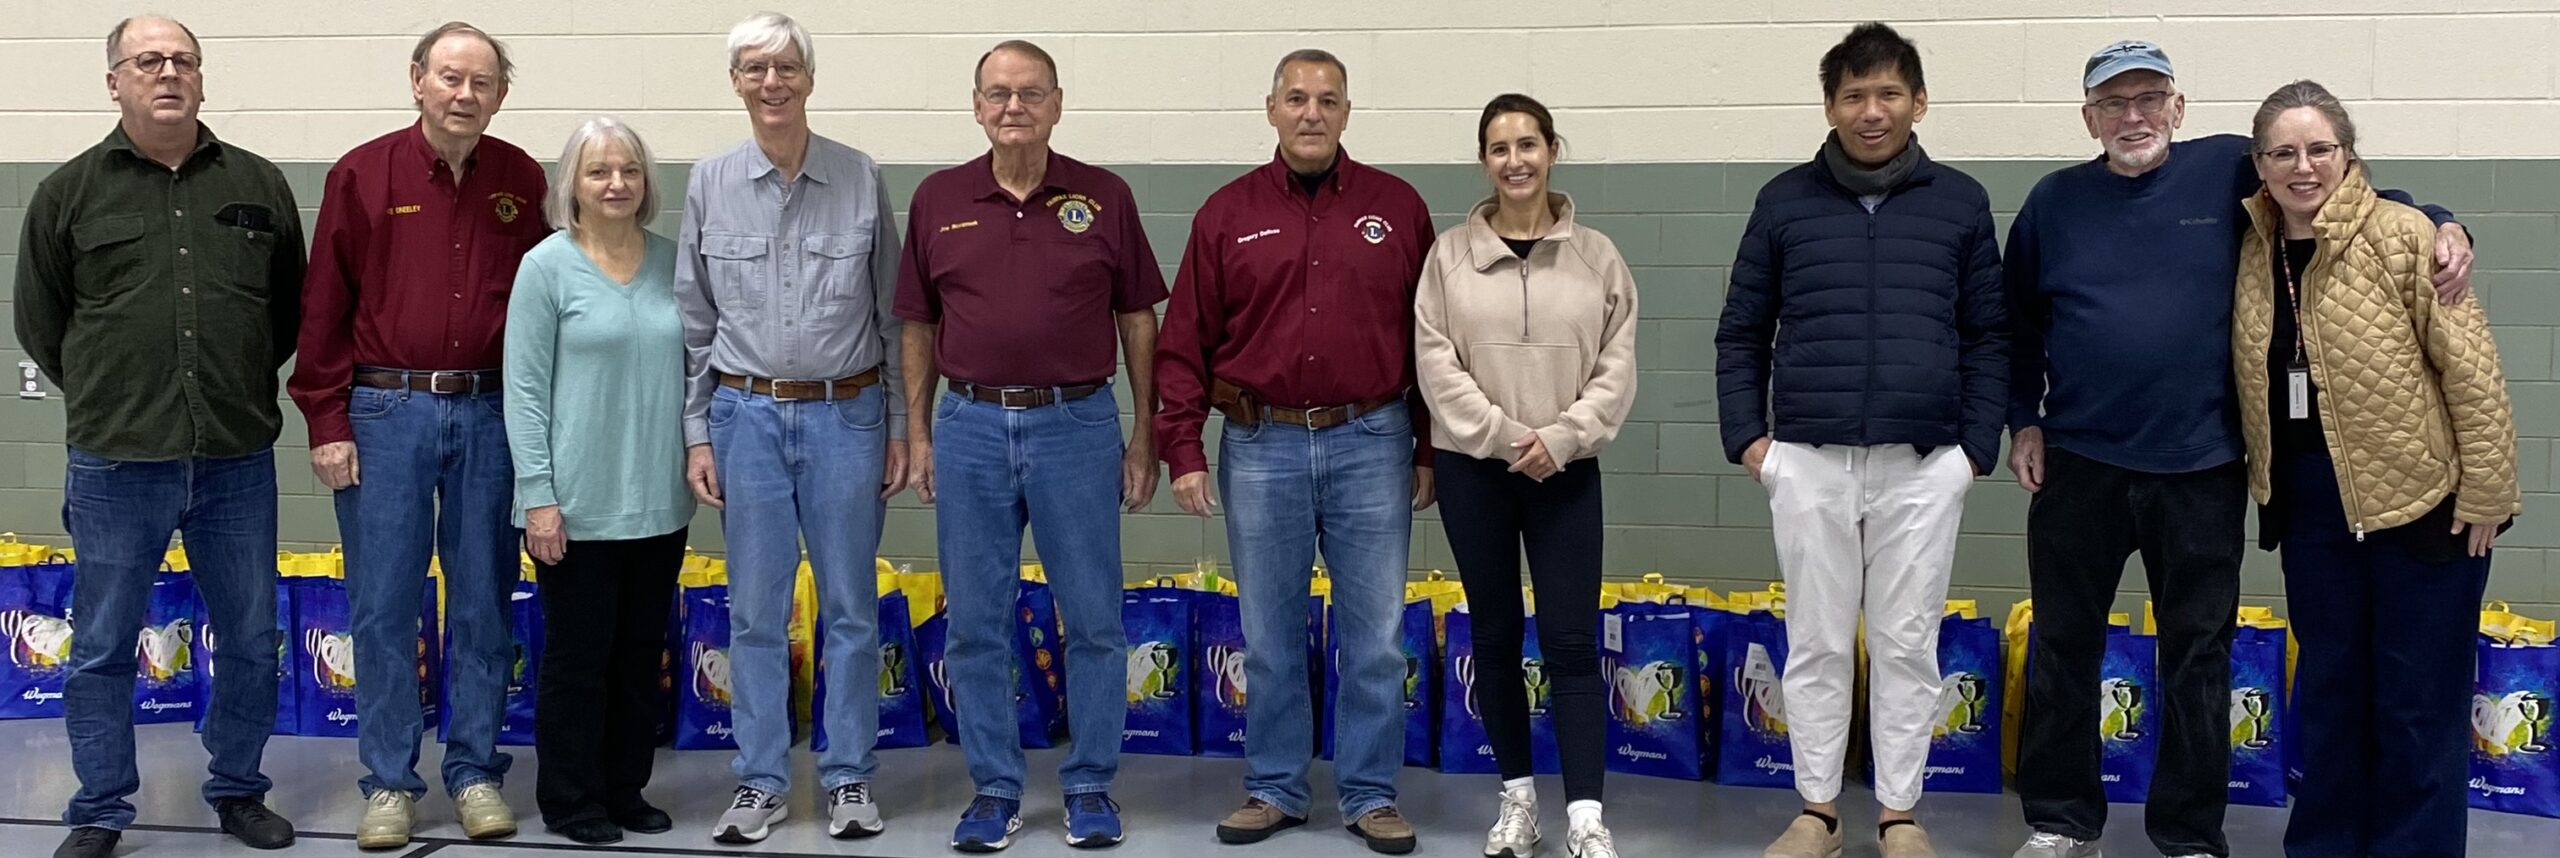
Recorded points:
(1018,268)
(419,234)
(1293,317)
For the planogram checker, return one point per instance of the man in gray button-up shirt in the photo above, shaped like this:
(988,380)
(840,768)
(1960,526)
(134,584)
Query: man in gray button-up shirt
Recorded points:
(785,270)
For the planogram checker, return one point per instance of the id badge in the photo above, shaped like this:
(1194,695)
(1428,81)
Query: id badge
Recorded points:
(2297,383)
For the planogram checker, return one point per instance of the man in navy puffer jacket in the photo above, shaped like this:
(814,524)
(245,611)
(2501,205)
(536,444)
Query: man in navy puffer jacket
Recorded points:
(1866,312)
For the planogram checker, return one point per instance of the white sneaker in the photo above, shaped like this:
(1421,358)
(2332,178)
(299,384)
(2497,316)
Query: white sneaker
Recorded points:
(2047,845)
(751,815)
(1591,842)
(388,816)
(483,812)
(851,813)
(1515,832)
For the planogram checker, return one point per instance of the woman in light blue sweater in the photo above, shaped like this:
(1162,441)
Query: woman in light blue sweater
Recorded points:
(595,410)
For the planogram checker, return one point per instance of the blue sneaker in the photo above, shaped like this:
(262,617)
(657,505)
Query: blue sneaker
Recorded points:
(1093,820)
(988,825)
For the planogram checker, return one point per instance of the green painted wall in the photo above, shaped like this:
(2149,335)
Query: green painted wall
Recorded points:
(1674,505)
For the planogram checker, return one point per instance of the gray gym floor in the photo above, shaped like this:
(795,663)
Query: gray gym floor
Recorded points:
(1170,805)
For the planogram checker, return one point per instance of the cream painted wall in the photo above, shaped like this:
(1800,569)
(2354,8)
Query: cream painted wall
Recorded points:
(1182,82)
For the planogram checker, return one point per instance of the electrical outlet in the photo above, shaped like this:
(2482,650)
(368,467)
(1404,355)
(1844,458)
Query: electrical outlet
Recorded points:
(30,380)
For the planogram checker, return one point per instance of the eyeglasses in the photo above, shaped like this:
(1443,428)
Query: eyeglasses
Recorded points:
(2149,103)
(152,62)
(2320,153)
(787,71)
(999,96)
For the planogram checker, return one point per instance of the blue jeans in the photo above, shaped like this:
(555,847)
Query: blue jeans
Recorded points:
(791,471)
(2385,680)
(120,515)
(1348,488)
(1057,468)
(434,475)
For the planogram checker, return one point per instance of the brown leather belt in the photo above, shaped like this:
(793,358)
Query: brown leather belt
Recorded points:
(787,390)
(1243,408)
(1025,397)
(472,381)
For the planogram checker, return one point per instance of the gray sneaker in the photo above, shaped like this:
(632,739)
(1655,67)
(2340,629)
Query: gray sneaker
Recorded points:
(851,813)
(750,817)
(2045,845)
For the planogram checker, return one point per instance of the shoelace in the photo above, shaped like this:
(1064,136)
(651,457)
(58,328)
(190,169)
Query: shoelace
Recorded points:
(2048,840)
(853,794)
(749,797)
(253,812)
(1517,821)
(1091,802)
(386,798)
(984,807)
(1595,842)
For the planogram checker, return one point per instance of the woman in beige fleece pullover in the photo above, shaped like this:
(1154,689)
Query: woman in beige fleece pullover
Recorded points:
(1524,340)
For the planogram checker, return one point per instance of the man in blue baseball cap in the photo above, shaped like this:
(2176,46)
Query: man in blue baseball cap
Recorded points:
(2125,426)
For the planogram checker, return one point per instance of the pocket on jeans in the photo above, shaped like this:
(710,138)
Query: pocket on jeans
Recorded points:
(1100,409)
(81,460)
(724,410)
(367,403)
(865,412)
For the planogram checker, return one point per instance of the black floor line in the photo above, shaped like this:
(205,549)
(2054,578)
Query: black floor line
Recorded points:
(432,845)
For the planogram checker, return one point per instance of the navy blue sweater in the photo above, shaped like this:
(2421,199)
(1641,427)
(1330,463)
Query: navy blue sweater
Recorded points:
(2120,298)
(1863,327)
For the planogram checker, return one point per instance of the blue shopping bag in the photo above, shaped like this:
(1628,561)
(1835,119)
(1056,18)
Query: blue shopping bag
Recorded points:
(932,638)
(902,703)
(324,658)
(1157,620)
(704,695)
(2258,716)
(2515,758)
(35,623)
(1040,663)
(1464,747)
(2128,715)
(1648,656)
(1964,740)
(165,687)
(1751,735)
(1218,674)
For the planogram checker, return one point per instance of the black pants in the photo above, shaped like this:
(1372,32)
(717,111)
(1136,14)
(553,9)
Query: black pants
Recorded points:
(1491,514)
(2385,680)
(604,621)
(2189,529)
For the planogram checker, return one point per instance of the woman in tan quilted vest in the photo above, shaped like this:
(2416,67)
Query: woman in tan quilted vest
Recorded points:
(2382,453)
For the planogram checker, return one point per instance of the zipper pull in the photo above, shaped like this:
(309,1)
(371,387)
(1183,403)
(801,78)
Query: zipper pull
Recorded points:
(2359,533)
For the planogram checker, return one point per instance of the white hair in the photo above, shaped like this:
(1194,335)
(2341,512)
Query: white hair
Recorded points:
(560,206)
(768,32)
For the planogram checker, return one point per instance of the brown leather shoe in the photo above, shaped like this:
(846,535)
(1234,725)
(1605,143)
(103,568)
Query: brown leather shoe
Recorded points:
(1253,822)
(1386,830)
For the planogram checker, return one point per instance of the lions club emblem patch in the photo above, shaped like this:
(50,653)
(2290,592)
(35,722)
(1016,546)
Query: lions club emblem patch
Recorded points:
(1373,229)
(1075,215)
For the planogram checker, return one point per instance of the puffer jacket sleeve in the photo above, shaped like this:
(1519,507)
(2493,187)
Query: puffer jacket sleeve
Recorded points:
(2465,359)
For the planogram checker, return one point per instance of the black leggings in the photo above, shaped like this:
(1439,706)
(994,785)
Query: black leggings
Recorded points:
(596,709)
(1490,514)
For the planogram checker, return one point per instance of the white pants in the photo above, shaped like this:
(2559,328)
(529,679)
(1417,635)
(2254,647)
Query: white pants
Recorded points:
(1872,528)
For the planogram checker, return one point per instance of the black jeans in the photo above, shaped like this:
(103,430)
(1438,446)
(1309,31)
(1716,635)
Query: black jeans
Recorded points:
(2385,680)
(2190,530)
(1491,514)
(595,724)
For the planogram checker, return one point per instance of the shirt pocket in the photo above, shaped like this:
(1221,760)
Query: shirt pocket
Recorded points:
(238,260)
(839,267)
(112,259)
(739,266)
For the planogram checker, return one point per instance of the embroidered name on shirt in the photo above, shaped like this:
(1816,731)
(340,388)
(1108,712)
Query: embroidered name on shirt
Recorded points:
(401,210)
(1251,236)
(952,226)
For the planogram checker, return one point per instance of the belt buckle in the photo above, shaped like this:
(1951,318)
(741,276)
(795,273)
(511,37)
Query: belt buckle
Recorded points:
(1030,396)
(772,388)
(435,381)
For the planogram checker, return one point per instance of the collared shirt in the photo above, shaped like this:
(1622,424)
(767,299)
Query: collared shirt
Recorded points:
(162,301)
(1304,301)
(787,278)
(1026,291)
(409,270)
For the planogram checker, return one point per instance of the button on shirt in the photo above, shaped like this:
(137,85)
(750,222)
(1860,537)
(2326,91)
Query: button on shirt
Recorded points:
(1304,301)
(162,301)
(409,271)
(788,278)
(1026,291)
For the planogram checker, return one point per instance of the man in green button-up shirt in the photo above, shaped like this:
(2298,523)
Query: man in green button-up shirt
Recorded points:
(158,286)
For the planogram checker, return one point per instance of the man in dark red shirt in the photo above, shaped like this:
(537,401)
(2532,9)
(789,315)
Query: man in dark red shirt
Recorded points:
(1293,317)
(1018,267)
(415,253)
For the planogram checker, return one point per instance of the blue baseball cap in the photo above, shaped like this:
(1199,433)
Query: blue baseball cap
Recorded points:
(2121,57)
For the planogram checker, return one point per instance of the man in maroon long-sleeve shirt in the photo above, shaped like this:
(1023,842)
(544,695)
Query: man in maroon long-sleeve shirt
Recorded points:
(1293,316)
(404,305)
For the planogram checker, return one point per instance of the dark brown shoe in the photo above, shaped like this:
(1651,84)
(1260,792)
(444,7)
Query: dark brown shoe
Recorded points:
(1254,822)
(1386,830)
